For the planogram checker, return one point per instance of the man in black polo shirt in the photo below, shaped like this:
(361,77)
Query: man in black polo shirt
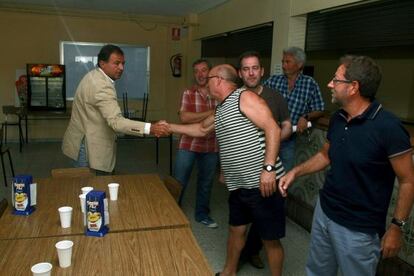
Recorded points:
(366,148)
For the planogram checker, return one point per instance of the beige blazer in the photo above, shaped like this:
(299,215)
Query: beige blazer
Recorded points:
(96,117)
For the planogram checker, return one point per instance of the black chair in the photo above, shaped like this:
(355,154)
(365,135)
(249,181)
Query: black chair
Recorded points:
(143,116)
(3,151)
(20,115)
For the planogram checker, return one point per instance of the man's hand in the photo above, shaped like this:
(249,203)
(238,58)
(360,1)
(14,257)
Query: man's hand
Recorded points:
(391,242)
(285,181)
(160,128)
(267,183)
(221,178)
(302,125)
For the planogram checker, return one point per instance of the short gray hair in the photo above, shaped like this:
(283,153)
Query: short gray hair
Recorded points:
(297,53)
(365,71)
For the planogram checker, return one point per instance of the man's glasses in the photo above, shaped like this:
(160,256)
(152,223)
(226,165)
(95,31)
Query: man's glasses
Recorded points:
(210,77)
(335,81)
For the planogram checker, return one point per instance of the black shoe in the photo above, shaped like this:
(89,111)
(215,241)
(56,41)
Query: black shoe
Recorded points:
(256,261)
(217,274)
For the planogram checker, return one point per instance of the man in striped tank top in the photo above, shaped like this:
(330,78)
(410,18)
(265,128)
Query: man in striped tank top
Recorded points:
(249,140)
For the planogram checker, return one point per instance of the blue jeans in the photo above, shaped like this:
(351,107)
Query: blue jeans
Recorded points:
(82,158)
(287,153)
(206,163)
(334,245)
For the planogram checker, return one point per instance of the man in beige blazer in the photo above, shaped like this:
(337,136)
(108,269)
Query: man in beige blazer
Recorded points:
(90,138)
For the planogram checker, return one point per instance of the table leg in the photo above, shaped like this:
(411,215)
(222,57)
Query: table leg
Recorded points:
(26,128)
(170,138)
(157,145)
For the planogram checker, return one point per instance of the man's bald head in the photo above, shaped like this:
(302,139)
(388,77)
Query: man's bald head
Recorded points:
(226,72)
(222,81)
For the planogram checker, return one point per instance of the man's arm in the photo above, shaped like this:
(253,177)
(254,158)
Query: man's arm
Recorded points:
(257,111)
(105,100)
(403,168)
(286,130)
(316,107)
(311,116)
(316,163)
(200,129)
(188,117)
(187,113)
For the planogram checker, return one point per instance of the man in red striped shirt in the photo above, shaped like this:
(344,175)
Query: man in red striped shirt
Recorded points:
(196,105)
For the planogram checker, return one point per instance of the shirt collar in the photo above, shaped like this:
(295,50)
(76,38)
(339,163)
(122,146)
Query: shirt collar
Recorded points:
(112,81)
(300,75)
(369,114)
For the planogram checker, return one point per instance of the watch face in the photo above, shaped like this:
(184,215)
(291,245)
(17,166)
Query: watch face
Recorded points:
(268,168)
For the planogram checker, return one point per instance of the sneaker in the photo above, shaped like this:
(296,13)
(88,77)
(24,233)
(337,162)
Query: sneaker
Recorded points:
(209,222)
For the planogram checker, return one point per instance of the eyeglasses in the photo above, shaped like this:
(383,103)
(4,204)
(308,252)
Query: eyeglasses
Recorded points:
(210,77)
(335,81)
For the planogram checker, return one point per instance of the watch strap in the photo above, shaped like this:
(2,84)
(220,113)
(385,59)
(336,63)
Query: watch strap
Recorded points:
(398,222)
(269,168)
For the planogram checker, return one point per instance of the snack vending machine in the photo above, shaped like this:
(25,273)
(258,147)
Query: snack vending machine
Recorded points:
(46,87)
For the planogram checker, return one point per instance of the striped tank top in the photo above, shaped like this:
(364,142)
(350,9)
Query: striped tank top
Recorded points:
(242,145)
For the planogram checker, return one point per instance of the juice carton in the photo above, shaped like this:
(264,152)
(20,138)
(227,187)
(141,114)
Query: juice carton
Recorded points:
(97,216)
(23,195)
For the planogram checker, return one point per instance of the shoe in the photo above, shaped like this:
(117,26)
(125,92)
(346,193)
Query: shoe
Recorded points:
(209,222)
(256,261)
(217,274)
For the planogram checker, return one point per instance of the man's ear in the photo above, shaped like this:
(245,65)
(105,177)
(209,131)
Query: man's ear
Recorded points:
(355,87)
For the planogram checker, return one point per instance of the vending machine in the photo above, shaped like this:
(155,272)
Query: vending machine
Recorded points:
(46,87)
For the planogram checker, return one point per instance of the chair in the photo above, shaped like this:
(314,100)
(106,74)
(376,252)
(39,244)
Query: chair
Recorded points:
(72,172)
(173,186)
(20,113)
(143,116)
(3,151)
(3,206)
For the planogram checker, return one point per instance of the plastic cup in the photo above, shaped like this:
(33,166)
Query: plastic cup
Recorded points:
(113,191)
(41,269)
(65,214)
(82,201)
(64,251)
(86,190)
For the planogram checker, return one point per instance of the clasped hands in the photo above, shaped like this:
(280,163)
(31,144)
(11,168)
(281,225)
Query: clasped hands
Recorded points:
(160,128)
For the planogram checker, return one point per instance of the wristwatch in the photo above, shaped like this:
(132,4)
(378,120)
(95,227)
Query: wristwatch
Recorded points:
(399,223)
(269,168)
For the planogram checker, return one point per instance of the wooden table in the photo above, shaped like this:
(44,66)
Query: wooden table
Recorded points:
(157,252)
(143,204)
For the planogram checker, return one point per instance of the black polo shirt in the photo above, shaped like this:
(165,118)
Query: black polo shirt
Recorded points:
(359,183)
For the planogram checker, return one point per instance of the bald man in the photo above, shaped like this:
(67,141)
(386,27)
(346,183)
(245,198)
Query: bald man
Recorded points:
(249,140)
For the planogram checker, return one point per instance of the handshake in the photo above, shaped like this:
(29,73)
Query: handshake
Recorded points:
(160,128)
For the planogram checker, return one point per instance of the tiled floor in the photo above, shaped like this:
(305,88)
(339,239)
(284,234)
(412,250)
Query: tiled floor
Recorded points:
(138,156)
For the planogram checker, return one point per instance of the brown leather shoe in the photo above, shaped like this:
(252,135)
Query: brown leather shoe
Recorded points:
(256,261)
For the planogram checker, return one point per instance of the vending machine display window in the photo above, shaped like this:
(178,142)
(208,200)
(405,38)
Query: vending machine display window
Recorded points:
(46,87)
